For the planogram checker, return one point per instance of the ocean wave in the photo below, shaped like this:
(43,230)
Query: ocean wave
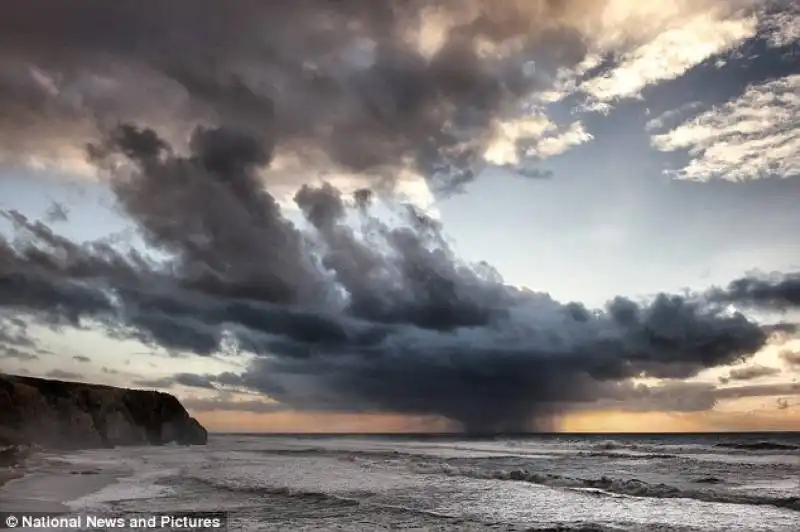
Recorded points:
(610,445)
(618,449)
(337,501)
(624,455)
(350,499)
(632,487)
(345,454)
(583,527)
(759,446)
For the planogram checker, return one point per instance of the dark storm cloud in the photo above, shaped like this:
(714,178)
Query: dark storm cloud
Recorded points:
(759,390)
(386,318)
(755,371)
(681,396)
(669,397)
(777,291)
(16,341)
(14,332)
(346,77)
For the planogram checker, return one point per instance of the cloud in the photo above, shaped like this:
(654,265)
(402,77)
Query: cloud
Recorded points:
(756,135)
(57,212)
(670,117)
(758,390)
(426,86)
(15,339)
(354,314)
(667,397)
(674,396)
(532,138)
(371,87)
(12,352)
(776,291)
(155,383)
(632,46)
(189,380)
(670,54)
(781,23)
(755,371)
(791,358)
(82,359)
(683,396)
(227,405)
(61,374)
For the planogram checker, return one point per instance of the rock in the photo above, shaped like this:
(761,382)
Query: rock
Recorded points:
(59,414)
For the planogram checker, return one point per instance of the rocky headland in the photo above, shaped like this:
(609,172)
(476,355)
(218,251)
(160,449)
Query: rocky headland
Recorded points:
(55,414)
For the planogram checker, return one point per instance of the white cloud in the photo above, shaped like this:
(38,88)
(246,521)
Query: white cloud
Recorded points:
(557,144)
(756,135)
(502,146)
(520,141)
(670,117)
(669,55)
(652,42)
(566,79)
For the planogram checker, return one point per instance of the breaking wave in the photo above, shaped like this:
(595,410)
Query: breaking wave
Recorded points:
(624,455)
(317,497)
(618,449)
(611,445)
(348,500)
(611,486)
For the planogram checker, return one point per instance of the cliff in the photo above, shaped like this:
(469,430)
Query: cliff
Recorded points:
(58,414)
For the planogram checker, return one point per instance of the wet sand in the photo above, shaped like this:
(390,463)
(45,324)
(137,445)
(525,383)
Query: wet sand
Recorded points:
(7,474)
(10,463)
(46,486)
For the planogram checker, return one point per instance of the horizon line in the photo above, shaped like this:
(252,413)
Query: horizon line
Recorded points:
(506,434)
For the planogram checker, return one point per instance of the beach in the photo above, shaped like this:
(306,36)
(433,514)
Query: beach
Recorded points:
(637,483)
(40,482)
(11,462)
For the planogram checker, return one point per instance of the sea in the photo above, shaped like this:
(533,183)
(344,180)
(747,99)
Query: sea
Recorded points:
(688,482)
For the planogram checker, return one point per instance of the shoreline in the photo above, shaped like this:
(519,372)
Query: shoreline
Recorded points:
(34,483)
(12,462)
(7,475)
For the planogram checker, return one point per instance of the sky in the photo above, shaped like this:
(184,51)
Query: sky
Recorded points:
(430,215)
